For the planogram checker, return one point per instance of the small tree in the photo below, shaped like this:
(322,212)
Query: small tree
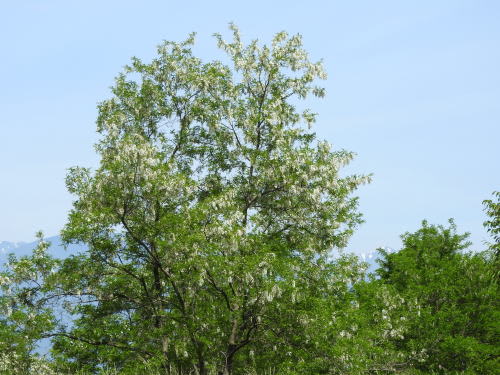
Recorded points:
(456,295)
(211,215)
(26,310)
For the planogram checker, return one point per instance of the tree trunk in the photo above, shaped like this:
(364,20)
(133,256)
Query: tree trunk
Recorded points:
(158,319)
(164,344)
(201,367)
(228,366)
(227,369)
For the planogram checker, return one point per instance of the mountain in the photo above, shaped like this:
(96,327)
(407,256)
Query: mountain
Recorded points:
(57,250)
(9,247)
(19,249)
(371,258)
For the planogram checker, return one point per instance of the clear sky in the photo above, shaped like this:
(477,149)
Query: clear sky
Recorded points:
(413,88)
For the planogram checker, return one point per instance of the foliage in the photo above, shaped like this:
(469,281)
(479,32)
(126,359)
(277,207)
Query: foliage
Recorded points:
(25,312)
(455,327)
(492,209)
(211,215)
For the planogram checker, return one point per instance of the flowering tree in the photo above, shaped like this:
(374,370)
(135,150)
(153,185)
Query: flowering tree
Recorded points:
(212,211)
(26,311)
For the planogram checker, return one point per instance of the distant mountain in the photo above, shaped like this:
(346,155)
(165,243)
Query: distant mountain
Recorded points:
(371,258)
(7,247)
(56,248)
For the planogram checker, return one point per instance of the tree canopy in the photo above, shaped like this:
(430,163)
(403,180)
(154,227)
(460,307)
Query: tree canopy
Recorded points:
(456,294)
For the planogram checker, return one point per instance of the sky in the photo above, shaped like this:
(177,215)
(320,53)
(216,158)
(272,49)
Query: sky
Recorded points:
(413,89)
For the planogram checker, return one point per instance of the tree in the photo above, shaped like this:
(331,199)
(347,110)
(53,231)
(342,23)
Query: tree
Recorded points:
(492,225)
(211,216)
(26,313)
(454,328)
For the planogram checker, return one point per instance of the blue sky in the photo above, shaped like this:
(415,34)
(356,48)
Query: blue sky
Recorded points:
(413,89)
